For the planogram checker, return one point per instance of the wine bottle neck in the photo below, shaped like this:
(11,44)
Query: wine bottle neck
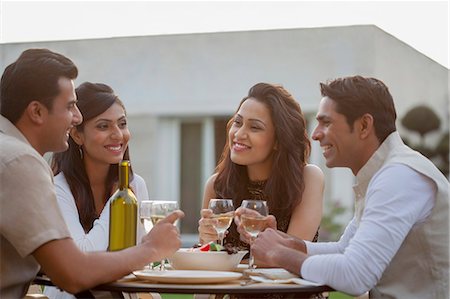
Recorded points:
(124,172)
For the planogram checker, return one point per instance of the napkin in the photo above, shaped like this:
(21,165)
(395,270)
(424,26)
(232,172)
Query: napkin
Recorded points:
(277,275)
(129,277)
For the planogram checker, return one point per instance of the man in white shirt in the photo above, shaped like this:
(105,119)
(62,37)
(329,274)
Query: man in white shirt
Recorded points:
(38,108)
(396,245)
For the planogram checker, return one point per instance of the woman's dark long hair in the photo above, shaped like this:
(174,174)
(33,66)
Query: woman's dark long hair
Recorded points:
(93,100)
(285,185)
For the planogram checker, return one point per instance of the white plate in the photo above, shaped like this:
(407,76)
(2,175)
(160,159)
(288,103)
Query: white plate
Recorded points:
(187,276)
(241,268)
(297,280)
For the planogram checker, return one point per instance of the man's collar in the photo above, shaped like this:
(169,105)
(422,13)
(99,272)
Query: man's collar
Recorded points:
(10,129)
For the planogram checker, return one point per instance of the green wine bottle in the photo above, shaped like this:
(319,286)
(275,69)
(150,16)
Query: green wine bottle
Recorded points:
(123,212)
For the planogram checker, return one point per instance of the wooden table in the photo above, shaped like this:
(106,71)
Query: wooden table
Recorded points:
(233,287)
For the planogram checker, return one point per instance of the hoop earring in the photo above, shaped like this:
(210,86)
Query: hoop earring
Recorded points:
(80,149)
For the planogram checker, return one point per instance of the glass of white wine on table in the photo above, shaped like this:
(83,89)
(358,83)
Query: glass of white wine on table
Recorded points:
(253,220)
(159,209)
(223,213)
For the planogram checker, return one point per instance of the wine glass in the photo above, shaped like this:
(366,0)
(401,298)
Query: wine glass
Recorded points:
(159,209)
(145,213)
(223,213)
(253,220)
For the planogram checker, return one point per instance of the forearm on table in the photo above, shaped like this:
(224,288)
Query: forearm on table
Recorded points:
(124,261)
(313,248)
(298,244)
(290,243)
(290,259)
(84,270)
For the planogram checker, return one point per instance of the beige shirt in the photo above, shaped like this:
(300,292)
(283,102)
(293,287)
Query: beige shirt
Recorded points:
(29,213)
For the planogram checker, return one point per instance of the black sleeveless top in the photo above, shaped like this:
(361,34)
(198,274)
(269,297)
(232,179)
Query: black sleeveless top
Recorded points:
(255,190)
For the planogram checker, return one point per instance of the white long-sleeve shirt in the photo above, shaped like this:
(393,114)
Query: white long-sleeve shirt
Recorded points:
(356,262)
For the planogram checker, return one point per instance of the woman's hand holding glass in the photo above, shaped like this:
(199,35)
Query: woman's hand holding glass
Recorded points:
(252,219)
(246,237)
(223,212)
(206,231)
(215,220)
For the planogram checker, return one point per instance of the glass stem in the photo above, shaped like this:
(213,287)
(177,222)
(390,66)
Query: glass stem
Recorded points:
(161,266)
(251,260)
(221,237)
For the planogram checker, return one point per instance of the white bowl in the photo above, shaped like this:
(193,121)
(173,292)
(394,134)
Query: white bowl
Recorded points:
(186,259)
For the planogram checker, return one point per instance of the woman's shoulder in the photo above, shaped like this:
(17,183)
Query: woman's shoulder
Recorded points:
(209,185)
(209,190)
(312,172)
(212,178)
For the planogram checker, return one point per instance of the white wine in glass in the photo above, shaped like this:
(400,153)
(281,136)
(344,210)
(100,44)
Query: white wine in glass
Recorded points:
(253,224)
(223,213)
(253,220)
(156,218)
(145,217)
(159,210)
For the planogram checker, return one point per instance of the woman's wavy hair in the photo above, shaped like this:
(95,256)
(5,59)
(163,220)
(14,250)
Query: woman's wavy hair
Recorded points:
(285,185)
(93,100)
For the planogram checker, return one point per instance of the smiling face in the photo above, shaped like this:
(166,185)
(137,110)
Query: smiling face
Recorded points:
(252,138)
(105,137)
(63,116)
(339,142)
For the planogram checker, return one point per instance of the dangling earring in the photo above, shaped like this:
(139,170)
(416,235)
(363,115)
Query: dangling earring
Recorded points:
(80,149)
(275,148)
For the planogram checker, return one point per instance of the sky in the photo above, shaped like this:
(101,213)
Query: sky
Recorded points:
(424,25)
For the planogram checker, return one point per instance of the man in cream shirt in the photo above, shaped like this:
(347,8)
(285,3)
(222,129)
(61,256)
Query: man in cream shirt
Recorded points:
(38,108)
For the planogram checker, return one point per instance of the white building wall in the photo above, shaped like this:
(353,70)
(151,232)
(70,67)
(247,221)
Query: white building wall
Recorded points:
(164,78)
(413,79)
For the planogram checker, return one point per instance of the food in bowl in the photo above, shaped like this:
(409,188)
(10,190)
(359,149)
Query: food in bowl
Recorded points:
(212,246)
(205,259)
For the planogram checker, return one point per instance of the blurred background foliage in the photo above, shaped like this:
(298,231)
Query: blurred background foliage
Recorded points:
(423,121)
(330,227)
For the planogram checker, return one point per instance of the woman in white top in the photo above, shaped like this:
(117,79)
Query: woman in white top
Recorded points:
(86,175)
